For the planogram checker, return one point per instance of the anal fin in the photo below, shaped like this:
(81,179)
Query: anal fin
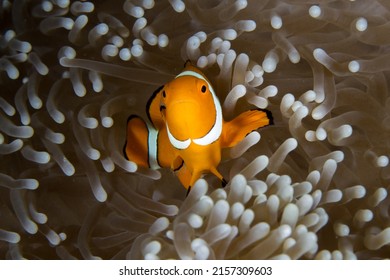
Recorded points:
(184,175)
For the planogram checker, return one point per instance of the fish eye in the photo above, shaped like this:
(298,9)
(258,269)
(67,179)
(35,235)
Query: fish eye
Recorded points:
(201,86)
(162,108)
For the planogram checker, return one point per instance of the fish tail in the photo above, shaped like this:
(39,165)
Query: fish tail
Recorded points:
(136,145)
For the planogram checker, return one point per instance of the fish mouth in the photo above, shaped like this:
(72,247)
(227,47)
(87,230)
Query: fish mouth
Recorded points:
(185,123)
(178,144)
(188,101)
(178,116)
(180,107)
(182,114)
(182,119)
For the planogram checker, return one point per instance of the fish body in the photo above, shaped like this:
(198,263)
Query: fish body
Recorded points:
(186,130)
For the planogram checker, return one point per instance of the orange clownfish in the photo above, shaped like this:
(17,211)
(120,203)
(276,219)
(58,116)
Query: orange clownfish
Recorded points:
(186,130)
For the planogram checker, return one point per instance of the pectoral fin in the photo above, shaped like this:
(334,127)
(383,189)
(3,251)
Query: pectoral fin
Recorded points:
(235,130)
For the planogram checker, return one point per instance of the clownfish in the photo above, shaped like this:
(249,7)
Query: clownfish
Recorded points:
(185,130)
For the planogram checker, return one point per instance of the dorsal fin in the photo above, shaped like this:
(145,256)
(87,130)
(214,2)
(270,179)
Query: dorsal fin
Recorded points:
(153,108)
(188,66)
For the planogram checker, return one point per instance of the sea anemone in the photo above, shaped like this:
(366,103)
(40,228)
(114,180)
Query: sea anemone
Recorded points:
(312,186)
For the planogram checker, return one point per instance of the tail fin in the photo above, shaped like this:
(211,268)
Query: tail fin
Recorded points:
(136,145)
(235,130)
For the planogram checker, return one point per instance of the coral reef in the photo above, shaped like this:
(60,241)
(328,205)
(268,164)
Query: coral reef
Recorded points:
(313,186)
